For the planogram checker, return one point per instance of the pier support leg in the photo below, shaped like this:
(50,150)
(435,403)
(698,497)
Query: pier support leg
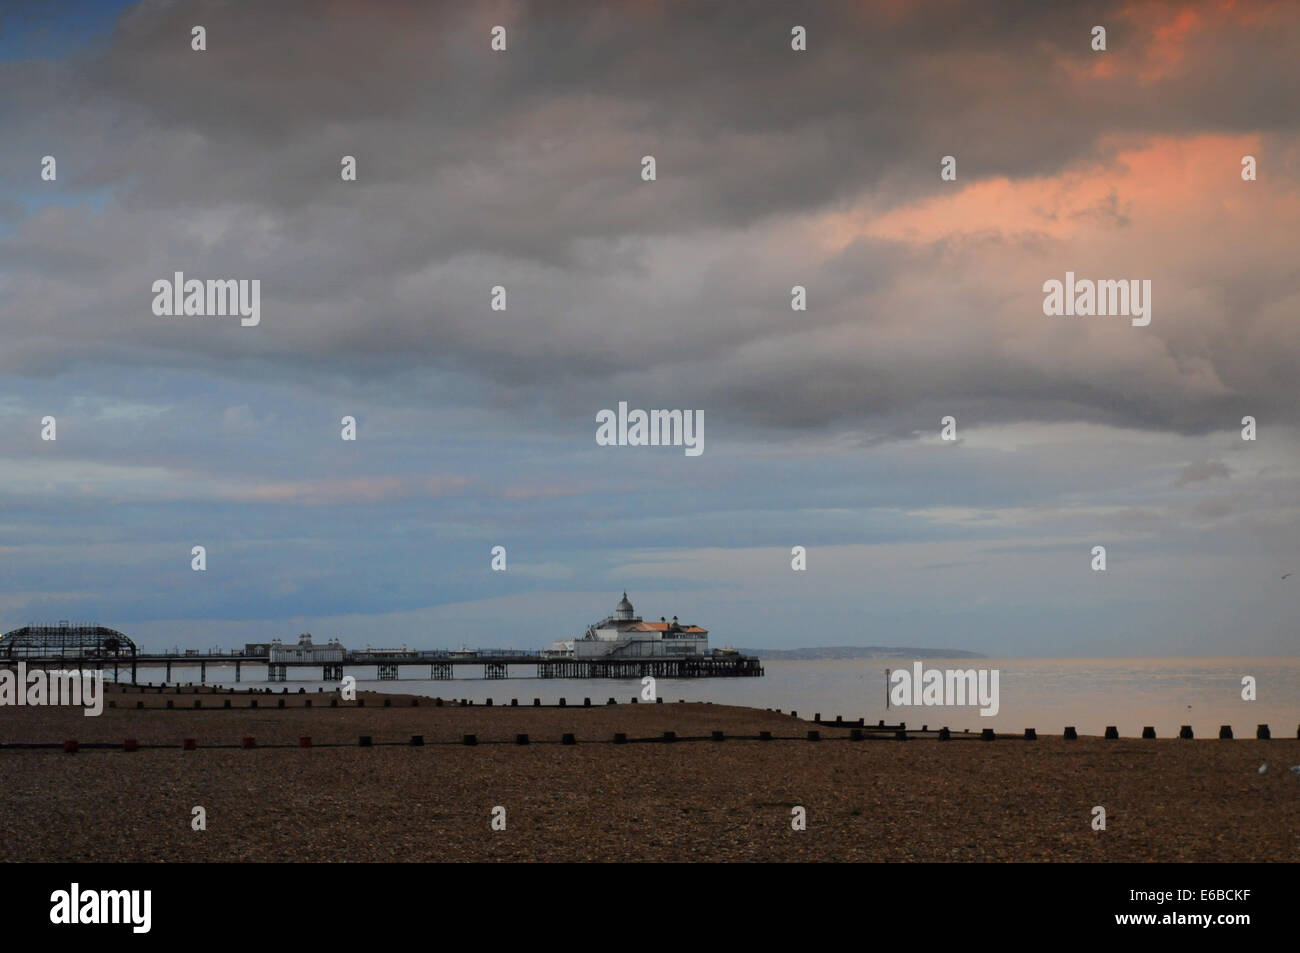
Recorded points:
(169,670)
(236,671)
(203,672)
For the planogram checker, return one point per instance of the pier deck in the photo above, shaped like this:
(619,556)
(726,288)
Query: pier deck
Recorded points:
(495,664)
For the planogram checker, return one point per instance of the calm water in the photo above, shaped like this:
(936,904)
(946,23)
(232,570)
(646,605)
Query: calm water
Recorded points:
(1045,694)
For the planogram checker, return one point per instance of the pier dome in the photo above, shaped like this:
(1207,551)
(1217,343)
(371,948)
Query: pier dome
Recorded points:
(66,641)
(624,609)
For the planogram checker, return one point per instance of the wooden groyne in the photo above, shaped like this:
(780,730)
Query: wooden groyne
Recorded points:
(866,733)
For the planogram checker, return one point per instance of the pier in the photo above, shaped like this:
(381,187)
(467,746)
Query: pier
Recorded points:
(95,648)
(437,666)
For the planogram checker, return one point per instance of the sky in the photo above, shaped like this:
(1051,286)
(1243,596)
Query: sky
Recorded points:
(775,167)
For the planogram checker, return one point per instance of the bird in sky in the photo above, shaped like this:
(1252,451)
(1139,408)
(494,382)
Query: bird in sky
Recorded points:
(1288,574)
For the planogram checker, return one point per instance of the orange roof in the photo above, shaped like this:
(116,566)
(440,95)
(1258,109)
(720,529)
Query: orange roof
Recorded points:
(665,626)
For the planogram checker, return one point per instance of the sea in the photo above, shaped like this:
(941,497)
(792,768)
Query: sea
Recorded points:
(1043,694)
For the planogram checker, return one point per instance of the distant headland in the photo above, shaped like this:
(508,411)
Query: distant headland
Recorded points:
(858,651)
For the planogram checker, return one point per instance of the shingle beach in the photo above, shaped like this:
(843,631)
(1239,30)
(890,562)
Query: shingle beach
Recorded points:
(877,799)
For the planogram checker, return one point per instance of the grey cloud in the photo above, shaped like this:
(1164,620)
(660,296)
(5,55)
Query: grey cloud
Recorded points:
(1201,471)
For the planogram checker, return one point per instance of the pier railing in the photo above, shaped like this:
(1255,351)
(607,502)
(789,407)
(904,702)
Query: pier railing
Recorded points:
(442,664)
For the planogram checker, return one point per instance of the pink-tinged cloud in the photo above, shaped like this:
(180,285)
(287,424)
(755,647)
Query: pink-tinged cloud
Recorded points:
(1175,210)
(1158,181)
(544,491)
(336,492)
(1149,43)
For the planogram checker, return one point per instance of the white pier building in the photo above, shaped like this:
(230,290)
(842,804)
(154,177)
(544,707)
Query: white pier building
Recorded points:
(626,635)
